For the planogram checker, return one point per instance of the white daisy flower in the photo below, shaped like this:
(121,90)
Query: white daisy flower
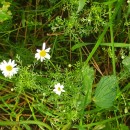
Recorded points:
(42,54)
(8,68)
(58,88)
(128,1)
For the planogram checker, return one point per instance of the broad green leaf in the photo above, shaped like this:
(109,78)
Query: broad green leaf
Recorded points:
(106,91)
(81,5)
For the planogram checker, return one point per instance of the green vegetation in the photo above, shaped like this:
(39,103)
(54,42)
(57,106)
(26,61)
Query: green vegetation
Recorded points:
(64,65)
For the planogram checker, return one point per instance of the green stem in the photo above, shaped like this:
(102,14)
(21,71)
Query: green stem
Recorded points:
(52,64)
(13,123)
(112,41)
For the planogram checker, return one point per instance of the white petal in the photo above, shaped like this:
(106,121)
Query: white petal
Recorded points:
(37,56)
(2,67)
(57,92)
(4,62)
(15,70)
(57,85)
(44,46)
(63,90)
(13,62)
(9,61)
(38,50)
(42,58)
(47,56)
(54,90)
(48,49)
(62,86)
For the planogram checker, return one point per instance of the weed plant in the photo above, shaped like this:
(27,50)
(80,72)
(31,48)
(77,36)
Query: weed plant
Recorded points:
(64,65)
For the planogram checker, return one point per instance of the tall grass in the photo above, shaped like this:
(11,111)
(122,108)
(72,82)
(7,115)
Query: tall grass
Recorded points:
(89,43)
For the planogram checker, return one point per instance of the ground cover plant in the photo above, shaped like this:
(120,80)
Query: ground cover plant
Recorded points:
(64,65)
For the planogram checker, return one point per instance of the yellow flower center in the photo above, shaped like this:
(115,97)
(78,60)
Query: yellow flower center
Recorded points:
(59,89)
(9,68)
(42,53)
